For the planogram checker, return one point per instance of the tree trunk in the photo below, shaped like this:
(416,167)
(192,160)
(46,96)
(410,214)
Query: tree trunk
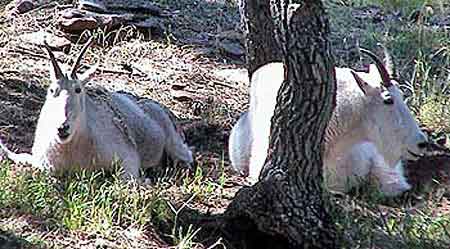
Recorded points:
(287,206)
(256,28)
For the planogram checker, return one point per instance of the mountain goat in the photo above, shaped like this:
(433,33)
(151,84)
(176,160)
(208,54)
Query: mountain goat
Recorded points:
(371,129)
(92,129)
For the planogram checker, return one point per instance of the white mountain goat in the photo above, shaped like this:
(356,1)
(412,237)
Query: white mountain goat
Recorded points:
(93,129)
(370,132)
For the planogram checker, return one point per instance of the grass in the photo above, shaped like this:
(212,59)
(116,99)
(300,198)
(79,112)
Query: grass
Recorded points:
(90,201)
(406,6)
(367,220)
(99,202)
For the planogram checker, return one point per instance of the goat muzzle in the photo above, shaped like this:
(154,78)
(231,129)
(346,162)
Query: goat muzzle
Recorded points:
(63,131)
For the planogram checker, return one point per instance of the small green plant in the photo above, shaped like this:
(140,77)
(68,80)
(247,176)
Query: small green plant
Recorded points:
(203,186)
(184,239)
(198,185)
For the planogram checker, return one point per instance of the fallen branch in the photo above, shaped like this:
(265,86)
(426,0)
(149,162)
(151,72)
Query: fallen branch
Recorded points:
(220,83)
(109,70)
(26,52)
(10,71)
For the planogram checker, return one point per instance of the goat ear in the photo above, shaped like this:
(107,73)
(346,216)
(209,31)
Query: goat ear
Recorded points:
(87,75)
(363,85)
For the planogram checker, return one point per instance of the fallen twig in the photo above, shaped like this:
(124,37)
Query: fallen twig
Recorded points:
(10,71)
(26,52)
(220,83)
(116,71)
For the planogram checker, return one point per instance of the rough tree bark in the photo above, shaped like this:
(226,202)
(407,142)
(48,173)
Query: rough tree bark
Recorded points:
(287,206)
(254,16)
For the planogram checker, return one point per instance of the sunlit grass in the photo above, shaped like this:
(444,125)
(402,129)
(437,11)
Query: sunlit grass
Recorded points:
(90,201)
(102,203)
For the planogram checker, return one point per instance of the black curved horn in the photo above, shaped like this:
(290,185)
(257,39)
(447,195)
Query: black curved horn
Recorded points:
(73,72)
(385,77)
(58,72)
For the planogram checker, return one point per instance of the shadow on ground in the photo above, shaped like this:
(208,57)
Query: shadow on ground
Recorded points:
(10,241)
(20,103)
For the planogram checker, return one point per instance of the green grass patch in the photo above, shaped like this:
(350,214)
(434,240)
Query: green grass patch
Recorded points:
(88,201)
(364,223)
(101,203)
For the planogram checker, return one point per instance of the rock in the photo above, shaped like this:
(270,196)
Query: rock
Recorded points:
(75,25)
(231,49)
(183,95)
(92,5)
(17,7)
(123,6)
(111,15)
(231,35)
(179,86)
(76,21)
(24,6)
(154,24)
(37,38)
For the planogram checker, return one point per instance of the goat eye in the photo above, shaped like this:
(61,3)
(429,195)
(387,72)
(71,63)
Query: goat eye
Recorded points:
(387,98)
(388,101)
(51,90)
(77,90)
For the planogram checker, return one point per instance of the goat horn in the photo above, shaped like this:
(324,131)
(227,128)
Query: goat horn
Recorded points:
(388,63)
(73,72)
(58,72)
(385,77)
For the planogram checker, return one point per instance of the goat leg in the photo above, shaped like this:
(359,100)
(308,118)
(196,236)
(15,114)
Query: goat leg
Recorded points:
(18,158)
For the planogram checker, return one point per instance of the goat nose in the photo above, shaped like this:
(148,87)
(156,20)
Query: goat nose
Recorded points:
(422,145)
(63,128)
(422,141)
(63,131)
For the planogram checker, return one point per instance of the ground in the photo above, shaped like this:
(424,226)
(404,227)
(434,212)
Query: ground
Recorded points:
(196,69)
